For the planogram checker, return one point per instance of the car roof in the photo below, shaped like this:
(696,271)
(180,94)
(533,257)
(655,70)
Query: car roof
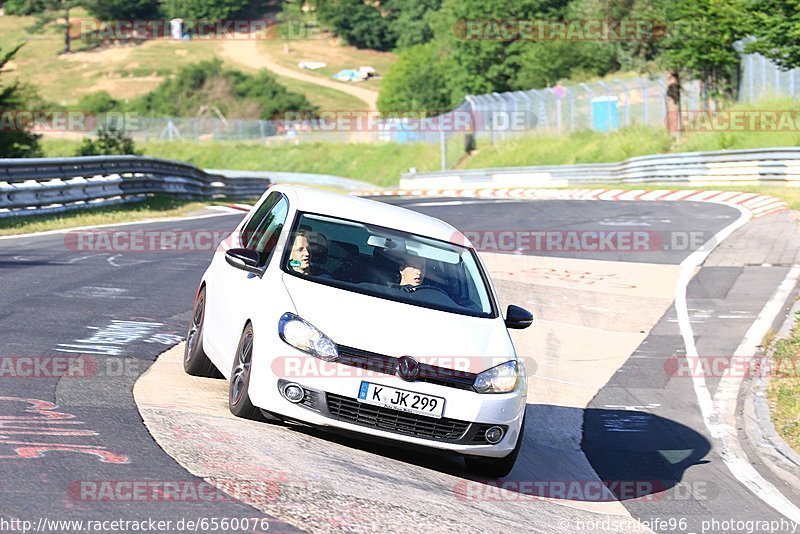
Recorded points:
(369,211)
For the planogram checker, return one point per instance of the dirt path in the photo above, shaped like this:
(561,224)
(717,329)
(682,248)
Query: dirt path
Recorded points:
(246,52)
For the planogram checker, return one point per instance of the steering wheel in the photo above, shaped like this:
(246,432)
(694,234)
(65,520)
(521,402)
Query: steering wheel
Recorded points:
(434,288)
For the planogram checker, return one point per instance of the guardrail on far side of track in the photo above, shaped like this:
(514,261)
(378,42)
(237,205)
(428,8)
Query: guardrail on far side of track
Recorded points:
(45,185)
(737,167)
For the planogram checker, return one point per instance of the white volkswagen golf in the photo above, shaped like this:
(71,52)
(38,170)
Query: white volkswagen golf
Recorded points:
(356,315)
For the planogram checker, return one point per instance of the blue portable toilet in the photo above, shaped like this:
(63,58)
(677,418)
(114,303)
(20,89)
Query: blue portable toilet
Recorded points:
(605,115)
(405,132)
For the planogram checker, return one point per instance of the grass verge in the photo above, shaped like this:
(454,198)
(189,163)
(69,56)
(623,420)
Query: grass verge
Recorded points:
(587,146)
(153,207)
(323,97)
(783,393)
(380,163)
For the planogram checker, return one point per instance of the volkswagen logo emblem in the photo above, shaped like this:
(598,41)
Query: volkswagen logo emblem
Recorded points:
(407,368)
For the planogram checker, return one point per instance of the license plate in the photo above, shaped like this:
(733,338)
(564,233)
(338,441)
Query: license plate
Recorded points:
(400,399)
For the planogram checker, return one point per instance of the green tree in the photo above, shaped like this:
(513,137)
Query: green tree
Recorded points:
(359,24)
(479,63)
(545,63)
(416,82)
(48,11)
(776,27)
(203,9)
(690,39)
(122,9)
(699,42)
(16,141)
(410,20)
(24,7)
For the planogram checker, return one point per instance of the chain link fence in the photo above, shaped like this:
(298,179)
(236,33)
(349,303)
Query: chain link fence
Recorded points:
(480,120)
(602,106)
(762,79)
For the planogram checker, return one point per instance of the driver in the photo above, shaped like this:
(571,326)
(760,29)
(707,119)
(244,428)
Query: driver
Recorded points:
(300,255)
(412,273)
(309,247)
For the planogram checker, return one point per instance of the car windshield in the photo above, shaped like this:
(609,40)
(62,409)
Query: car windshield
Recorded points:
(386,263)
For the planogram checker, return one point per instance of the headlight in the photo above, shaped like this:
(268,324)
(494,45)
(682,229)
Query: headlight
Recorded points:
(499,379)
(304,336)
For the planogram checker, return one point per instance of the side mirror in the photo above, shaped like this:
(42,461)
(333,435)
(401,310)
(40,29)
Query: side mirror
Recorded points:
(518,318)
(245,259)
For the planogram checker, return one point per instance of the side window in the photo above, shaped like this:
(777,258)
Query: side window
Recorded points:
(268,232)
(248,235)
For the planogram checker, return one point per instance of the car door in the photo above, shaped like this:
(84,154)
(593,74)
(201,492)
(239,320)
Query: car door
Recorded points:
(241,290)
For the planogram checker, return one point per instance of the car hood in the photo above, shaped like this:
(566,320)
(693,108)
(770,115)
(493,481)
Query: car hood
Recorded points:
(397,329)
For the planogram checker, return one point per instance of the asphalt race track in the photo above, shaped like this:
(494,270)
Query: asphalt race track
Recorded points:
(112,313)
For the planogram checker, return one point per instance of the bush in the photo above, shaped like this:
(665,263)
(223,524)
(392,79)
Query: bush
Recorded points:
(236,94)
(109,142)
(97,103)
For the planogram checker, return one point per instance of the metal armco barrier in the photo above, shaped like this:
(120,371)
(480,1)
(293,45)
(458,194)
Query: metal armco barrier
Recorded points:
(45,185)
(769,165)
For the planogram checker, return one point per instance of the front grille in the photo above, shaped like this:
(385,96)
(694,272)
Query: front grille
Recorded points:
(351,410)
(380,363)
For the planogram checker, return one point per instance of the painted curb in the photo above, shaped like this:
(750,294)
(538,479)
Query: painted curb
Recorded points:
(240,207)
(757,205)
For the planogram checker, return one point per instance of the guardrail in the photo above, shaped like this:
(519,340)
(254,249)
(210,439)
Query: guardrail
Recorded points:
(740,167)
(43,185)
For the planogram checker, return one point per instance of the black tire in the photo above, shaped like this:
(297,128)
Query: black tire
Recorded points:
(495,467)
(238,397)
(195,360)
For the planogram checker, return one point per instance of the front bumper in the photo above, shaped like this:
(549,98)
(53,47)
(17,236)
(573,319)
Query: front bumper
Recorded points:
(346,409)
(331,402)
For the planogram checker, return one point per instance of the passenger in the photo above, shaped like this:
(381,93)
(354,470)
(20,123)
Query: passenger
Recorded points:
(412,273)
